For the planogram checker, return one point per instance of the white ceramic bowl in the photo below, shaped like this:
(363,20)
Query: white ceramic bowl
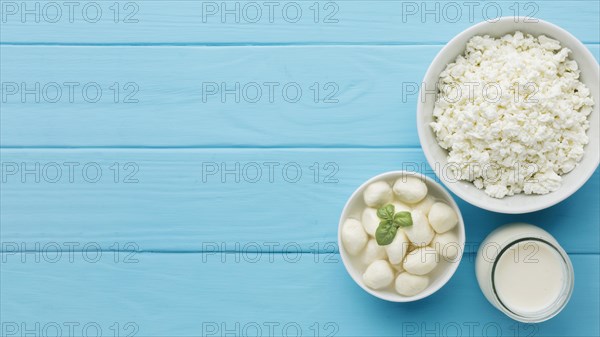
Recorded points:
(438,277)
(436,155)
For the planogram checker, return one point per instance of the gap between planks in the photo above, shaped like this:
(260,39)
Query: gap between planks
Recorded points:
(215,147)
(234,44)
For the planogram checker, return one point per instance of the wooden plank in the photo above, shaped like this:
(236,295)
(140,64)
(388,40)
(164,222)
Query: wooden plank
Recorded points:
(366,97)
(195,294)
(179,204)
(296,22)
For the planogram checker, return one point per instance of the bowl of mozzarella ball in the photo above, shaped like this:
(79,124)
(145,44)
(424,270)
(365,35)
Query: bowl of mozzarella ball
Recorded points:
(401,236)
(508,115)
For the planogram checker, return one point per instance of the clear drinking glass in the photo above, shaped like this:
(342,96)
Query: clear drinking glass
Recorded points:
(524,272)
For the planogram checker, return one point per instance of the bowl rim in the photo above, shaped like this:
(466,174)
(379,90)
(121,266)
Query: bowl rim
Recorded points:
(444,278)
(566,191)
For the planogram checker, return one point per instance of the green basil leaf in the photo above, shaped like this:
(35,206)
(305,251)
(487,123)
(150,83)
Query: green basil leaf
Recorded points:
(386,212)
(403,219)
(385,233)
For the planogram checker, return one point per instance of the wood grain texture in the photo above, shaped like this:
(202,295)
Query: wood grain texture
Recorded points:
(179,205)
(372,85)
(185,252)
(188,294)
(200,22)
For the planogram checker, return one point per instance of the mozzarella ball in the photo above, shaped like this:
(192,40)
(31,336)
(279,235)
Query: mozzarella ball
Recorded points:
(425,204)
(420,233)
(377,194)
(379,274)
(410,189)
(442,217)
(421,261)
(373,252)
(410,285)
(354,237)
(447,246)
(397,249)
(370,220)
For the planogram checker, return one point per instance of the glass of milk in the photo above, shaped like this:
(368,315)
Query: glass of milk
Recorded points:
(524,272)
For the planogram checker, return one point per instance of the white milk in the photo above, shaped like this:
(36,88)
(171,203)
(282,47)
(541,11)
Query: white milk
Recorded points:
(529,277)
(523,271)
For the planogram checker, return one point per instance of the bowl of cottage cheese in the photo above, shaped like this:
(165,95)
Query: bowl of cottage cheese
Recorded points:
(508,115)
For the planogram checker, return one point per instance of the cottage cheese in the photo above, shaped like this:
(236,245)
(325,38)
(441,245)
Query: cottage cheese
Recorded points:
(512,114)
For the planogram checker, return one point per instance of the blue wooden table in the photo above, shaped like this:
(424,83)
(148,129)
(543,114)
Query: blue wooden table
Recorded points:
(177,168)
